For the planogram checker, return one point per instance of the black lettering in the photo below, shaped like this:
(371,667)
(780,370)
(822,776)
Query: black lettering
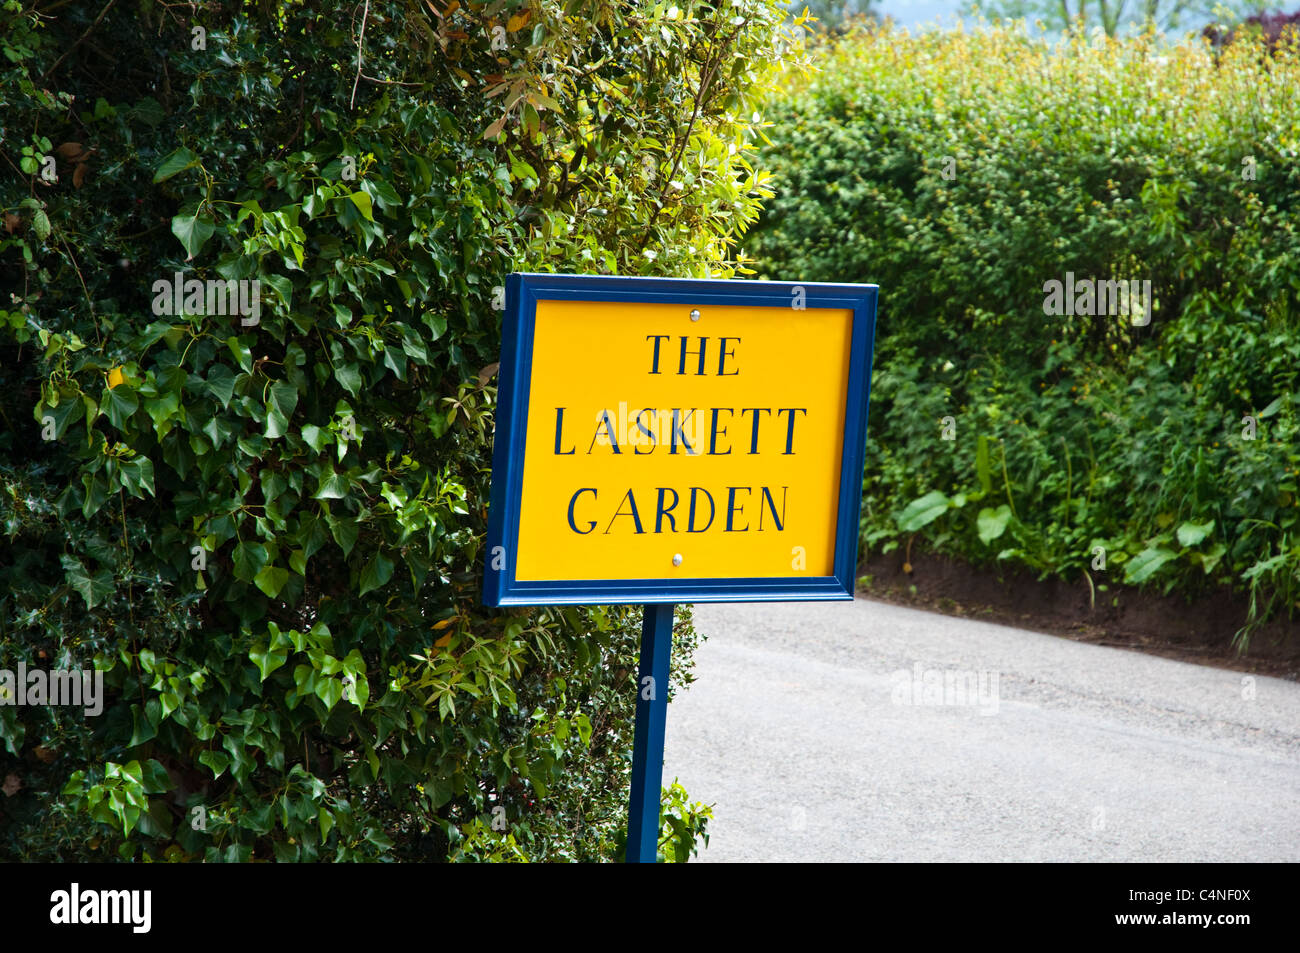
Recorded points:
(733,509)
(753,438)
(771,503)
(559,425)
(704,346)
(645,430)
(572,502)
(666,510)
(722,358)
(678,422)
(636,517)
(654,366)
(609,429)
(714,433)
(789,432)
(690,520)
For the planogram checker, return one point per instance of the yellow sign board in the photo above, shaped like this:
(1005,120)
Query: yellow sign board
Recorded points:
(693,438)
(657,445)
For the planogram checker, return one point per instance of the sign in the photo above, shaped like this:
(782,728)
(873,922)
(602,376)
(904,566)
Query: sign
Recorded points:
(672,440)
(665,440)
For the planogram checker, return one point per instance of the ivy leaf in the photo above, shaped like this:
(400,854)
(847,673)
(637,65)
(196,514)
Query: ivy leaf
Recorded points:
(150,335)
(381,190)
(316,437)
(177,162)
(96,494)
(143,728)
(333,487)
(242,355)
(221,384)
(137,475)
(284,398)
(268,660)
(218,761)
(349,376)
(62,414)
(362,201)
(414,347)
(271,580)
(437,324)
(170,702)
(329,690)
(218,430)
(154,777)
(283,288)
(311,535)
(117,405)
(377,572)
(193,232)
(360,693)
(345,533)
(249,560)
(94,589)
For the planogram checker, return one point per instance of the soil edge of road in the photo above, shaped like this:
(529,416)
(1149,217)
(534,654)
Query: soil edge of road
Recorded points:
(1199,630)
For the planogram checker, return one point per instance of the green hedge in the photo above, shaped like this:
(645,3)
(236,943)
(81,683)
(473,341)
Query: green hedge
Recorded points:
(963,171)
(267,536)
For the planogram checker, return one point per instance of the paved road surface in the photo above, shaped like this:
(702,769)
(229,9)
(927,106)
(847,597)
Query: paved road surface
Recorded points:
(868,732)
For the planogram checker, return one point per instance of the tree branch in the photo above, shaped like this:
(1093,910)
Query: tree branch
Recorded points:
(89,30)
(361,42)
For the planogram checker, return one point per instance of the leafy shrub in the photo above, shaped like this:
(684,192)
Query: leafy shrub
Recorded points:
(266,533)
(1273,28)
(964,171)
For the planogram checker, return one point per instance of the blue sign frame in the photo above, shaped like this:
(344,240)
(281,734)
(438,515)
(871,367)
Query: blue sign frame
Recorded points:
(523,291)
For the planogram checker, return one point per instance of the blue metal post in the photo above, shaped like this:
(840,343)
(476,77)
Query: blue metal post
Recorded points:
(648,741)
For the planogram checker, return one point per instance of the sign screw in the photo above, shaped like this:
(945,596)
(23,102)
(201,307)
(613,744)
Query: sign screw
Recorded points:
(677,559)
(695,314)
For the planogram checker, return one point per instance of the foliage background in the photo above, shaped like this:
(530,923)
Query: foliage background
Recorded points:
(963,170)
(327,686)
(1119,16)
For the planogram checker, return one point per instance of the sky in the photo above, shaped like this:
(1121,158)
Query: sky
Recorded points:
(915,12)
(912,13)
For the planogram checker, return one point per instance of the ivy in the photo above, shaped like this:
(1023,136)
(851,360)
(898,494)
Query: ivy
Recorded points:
(247,381)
